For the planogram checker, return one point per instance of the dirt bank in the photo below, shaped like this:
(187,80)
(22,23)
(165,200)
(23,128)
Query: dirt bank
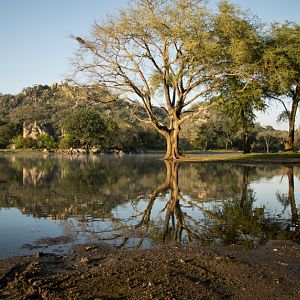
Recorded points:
(100,272)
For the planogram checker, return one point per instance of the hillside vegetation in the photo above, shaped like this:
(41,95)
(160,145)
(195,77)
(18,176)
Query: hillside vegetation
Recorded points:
(88,117)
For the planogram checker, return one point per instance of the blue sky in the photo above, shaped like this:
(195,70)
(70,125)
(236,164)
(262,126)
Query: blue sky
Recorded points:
(35,34)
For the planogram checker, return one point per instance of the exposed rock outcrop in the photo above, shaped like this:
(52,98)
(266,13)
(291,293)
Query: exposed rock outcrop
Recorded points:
(33,130)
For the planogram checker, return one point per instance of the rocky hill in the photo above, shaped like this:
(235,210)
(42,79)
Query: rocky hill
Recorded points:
(50,105)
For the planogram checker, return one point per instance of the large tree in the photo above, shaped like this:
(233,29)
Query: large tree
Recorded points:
(146,55)
(218,132)
(172,55)
(282,71)
(239,102)
(270,137)
(240,41)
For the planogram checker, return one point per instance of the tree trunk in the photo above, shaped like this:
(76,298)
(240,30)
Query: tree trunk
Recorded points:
(246,142)
(267,145)
(172,138)
(289,145)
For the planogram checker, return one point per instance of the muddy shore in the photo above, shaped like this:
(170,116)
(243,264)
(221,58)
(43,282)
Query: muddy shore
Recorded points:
(99,271)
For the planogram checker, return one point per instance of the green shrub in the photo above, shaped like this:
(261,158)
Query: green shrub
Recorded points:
(25,143)
(7,132)
(68,141)
(45,141)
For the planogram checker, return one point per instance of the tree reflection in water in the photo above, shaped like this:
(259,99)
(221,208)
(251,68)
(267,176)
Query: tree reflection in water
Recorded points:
(116,199)
(235,220)
(177,225)
(291,194)
(292,230)
(185,220)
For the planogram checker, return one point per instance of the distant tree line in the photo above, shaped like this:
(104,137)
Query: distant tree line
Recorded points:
(81,123)
(221,132)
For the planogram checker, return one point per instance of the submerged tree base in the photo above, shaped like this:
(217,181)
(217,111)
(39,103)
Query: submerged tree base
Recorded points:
(99,271)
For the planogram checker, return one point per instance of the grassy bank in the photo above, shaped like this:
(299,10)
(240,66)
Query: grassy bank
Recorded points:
(293,158)
(209,156)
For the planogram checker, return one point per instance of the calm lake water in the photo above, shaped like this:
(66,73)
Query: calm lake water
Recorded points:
(48,203)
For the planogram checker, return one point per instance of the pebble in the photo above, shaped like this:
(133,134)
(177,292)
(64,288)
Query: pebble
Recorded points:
(85,259)
(283,264)
(90,248)
(39,254)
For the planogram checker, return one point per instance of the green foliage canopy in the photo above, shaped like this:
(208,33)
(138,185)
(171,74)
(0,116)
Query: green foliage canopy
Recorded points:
(282,72)
(282,60)
(87,126)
